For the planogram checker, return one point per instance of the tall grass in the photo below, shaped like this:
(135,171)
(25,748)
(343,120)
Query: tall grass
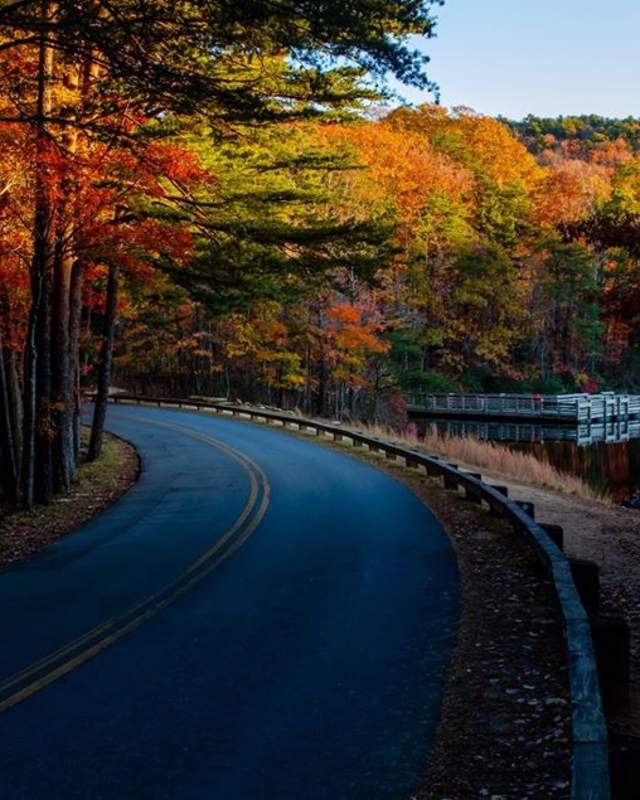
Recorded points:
(497,459)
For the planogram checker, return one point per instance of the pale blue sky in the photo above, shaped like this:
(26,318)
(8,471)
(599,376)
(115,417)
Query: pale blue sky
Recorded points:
(545,57)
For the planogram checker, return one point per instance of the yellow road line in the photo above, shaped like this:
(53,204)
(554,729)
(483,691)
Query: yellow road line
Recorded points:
(208,553)
(183,583)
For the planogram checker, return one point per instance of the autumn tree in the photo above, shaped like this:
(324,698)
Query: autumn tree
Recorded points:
(90,75)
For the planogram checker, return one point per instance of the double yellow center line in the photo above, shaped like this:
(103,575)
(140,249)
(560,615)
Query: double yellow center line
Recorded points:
(48,669)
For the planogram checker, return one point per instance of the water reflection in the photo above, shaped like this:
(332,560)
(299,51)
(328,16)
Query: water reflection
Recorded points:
(607,455)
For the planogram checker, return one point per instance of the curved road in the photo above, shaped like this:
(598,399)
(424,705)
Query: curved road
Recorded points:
(259,618)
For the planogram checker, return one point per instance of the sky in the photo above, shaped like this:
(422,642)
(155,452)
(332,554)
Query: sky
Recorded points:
(542,57)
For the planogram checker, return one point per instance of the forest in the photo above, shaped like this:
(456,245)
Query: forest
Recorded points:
(223,200)
(467,254)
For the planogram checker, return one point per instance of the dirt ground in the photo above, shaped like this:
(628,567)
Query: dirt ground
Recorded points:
(99,484)
(610,536)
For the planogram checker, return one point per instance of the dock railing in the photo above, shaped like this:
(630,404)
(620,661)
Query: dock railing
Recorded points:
(590,757)
(569,407)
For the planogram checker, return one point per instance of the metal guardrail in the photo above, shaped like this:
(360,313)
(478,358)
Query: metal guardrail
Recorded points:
(590,762)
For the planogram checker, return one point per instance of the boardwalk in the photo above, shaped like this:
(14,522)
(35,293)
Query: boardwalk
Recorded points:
(565,408)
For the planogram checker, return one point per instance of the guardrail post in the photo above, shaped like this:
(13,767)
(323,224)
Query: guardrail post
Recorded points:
(450,481)
(495,510)
(612,643)
(527,507)
(470,492)
(586,576)
(555,533)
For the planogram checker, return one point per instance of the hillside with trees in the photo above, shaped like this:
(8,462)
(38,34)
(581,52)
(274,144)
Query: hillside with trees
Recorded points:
(585,133)
(480,265)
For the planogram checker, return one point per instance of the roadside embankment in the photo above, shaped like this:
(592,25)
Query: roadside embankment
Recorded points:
(610,536)
(99,484)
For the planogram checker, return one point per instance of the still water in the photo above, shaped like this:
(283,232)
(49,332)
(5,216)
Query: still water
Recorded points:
(606,456)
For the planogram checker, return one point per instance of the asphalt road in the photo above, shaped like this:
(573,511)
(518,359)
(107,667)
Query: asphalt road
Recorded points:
(259,618)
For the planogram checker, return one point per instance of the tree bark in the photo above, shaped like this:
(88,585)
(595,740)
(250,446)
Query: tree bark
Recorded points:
(75,322)
(104,367)
(9,475)
(61,377)
(36,453)
(64,259)
(323,371)
(14,392)
(44,423)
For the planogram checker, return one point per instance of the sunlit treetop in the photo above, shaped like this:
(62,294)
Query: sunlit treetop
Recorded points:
(235,60)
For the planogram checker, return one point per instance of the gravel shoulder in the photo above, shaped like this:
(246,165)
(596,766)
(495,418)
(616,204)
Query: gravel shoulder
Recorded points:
(98,486)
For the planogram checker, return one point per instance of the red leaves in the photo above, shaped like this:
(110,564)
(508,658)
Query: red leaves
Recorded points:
(355,328)
(174,163)
(350,338)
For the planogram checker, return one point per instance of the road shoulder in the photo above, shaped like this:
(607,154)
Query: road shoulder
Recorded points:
(100,484)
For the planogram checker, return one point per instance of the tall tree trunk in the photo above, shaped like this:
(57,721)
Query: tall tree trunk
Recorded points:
(14,393)
(61,377)
(34,482)
(323,369)
(75,322)
(44,432)
(63,263)
(104,367)
(9,474)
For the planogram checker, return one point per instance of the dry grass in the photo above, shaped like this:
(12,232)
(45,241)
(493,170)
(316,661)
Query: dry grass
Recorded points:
(497,459)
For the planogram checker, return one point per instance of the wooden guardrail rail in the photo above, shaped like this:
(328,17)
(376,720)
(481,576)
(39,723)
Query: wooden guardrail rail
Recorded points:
(590,763)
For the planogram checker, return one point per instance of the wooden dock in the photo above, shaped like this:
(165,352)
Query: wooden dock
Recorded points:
(564,408)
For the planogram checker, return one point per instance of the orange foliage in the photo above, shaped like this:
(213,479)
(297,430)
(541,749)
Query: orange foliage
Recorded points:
(405,167)
(570,191)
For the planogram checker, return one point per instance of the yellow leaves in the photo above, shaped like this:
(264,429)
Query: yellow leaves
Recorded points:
(480,143)
(266,342)
(502,157)
(403,166)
